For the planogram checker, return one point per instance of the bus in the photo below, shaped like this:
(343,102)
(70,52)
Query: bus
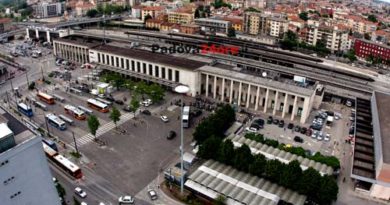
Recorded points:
(51,144)
(45,98)
(40,105)
(103,101)
(75,112)
(59,98)
(86,110)
(62,162)
(66,119)
(56,121)
(186,116)
(97,105)
(25,109)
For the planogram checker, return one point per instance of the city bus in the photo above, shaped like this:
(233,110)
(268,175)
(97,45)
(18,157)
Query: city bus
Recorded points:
(62,162)
(45,98)
(25,109)
(40,105)
(97,105)
(55,121)
(103,101)
(86,110)
(75,112)
(186,116)
(50,143)
(59,98)
(66,119)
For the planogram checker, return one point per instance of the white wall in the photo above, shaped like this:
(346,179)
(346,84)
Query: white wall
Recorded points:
(32,178)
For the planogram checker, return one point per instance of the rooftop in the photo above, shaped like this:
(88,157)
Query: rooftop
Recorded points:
(382,104)
(246,77)
(151,57)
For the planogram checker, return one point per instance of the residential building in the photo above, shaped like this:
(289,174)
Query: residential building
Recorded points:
(153,23)
(278,26)
(237,23)
(381,36)
(364,48)
(189,28)
(211,25)
(24,170)
(152,11)
(5,24)
(257,4)
(82,7)
(335,38)
(136,12)
(45,10)
(255,23)
(181,16)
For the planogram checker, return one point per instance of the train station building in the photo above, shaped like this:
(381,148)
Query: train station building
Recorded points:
(282,97)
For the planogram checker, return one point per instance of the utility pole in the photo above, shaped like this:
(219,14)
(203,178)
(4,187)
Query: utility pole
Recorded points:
(75,143)
(47,126)
(42,73)
(28,82)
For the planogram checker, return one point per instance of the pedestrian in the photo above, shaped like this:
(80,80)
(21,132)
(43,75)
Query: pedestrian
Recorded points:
(284,129)
(344,179)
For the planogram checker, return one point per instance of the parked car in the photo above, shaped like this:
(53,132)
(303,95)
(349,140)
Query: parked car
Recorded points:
(152,194)
(298,139)
(119,102)
(297,128)
(276,121)
(259,122)
(270,120)
(110,98)
(327,137)
(126,200)
(127,108)
(79,192)
(146,112)
(290,126)
(303,130)
(171,135)
(281,123)
(164,118)
(251,129)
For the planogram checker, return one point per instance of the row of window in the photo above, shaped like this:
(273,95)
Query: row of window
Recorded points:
(146,68)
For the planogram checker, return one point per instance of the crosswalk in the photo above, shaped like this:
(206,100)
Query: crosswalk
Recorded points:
(104,129)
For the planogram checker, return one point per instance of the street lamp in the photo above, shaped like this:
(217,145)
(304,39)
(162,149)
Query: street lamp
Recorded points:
(181,89)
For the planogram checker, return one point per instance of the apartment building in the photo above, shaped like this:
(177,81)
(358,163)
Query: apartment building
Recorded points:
(45,10)
(278,26)
(181,16)
(5,24)
(258,4)
(211,25)
(364,48)
(237,23)
(152,11)
(336,38)
(265,24)
(24,170)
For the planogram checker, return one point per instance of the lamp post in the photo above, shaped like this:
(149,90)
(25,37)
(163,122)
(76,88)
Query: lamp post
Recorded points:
(181,89)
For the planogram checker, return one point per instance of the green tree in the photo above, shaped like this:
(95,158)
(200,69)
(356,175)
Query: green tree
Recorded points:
(115,115)
(372,18)
(155,92)
(75,201)
(350,55)
(209,149)
(93,124)
(243,158)
(231,32)
(220,200)
(309,182)
(92,13)
(291,174)
(327,190)
(134,104)
(60,190)
(367,36)
(290,40)
(141,88)
(226,152)
(273,169)
(303,16)
(257,168)
(251,9)
(197,13)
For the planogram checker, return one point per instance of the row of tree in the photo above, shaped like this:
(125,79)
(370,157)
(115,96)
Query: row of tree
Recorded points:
(215,125)
(318,157)
(108,9)
(319,189)
(291,42)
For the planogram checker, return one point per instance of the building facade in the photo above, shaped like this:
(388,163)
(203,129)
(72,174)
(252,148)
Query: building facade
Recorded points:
(364,49)
(278,26)
(255,23)
(5,24)
(181,16)
(24,168)
(213,25)
(45,10)
(152,11)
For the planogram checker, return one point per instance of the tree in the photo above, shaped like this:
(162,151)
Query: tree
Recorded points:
(134,104)
(60,190)
(303,16)
(75,201)
(367,36)
(226,152)
(257,168)
(209,148)
(155,92)
(327,190)
(115,115)
(243,158)
(309,182)
(372,18)
(273,169)
(231,32)
(251,9)
(220,200)
(291,174)
(93,124)
(290,40)
(92,13)
(197,13)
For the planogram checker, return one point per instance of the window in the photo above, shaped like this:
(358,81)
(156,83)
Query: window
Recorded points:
(104,59)
(99,57)
(117,62)
(108,59)
(138,67)
(163,72)
(177,76)
(156,68)
(132,65)
(150,69)
(112,61)
(127,64)
(169,74)
(122,63)
(144,67)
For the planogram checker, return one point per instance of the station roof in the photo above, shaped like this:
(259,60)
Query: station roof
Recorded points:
(382,104)
(214,178)
(157,58)
(87,42)
(281,155)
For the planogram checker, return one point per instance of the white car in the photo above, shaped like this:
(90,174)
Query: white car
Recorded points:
(81,193)
(327,137)
(126,200)
(83,203)
(251,129)
(164,118)
(152,194)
